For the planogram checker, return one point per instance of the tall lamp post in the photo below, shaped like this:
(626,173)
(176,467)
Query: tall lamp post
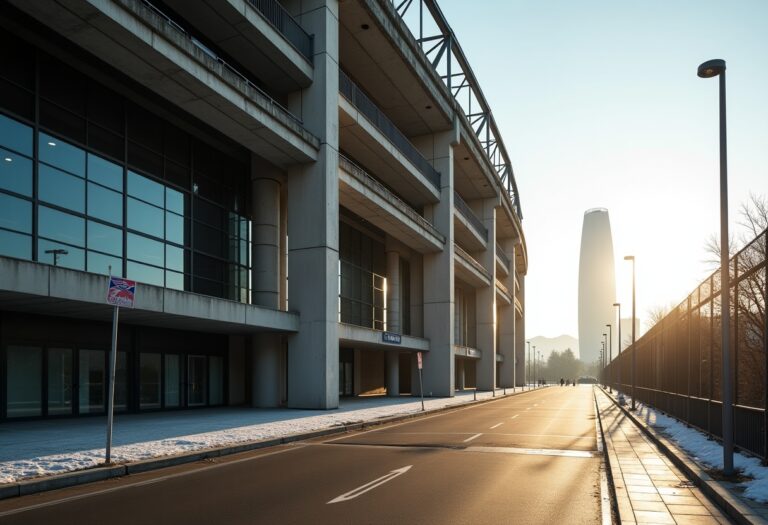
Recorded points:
(610,355)
(56,253)
(528,370)
(534,366)
(605,356)
(634,350)
(709,69)
(541,361)
(619,390)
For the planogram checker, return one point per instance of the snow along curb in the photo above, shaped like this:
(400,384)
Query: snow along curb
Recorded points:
(69,479)
(735,509)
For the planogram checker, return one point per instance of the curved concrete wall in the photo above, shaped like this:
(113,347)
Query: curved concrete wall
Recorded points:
(597,283)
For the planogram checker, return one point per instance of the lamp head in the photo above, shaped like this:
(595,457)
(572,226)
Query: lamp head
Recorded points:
(616,304)
(629,257)
(608,325)
(711,68)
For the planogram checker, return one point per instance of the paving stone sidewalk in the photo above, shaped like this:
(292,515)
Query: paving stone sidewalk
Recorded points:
(649,488)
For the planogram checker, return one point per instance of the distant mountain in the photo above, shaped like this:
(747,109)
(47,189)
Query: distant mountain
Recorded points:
(545,345)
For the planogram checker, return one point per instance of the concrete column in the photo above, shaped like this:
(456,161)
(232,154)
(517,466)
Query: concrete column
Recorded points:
(485,304)
(507,322)
(393,317)
(265,259)
(417,296)
(438,271)
(520,328)
(266,380)
(313,223)
(393,373)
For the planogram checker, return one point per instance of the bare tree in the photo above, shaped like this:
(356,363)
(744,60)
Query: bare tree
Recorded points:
(753,219)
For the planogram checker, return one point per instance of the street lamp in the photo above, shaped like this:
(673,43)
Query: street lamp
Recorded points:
(709,69)
(528,375)
(619,390)
(605,356)
(634,350)
(610,354)
(534,366)
(56,252)
(541,361)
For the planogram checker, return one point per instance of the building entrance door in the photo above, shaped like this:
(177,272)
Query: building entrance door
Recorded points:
(346,372)
(197,381)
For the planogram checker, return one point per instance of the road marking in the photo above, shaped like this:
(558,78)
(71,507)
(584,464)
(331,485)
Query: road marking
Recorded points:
(496,425)
(513,417)
(359,491)
(534,451)
(471,438)
(535,404)
(528,408)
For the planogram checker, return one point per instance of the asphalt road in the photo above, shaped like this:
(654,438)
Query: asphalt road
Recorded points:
(529,458)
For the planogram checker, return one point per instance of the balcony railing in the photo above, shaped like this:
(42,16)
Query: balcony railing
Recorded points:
(468,214)
(213,56)
(285,24)
(385,193)
(467,258)
(365,105)
(504,290)
(503,256)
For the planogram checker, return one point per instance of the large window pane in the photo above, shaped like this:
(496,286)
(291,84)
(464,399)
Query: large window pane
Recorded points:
(174,201)
(58,153)
(145,274)
(15,135)
(146,189)
(174,258)
(61,226)
(105,239)
(104,172)
(59,381)
(105,204)
(15,214)
(174,228)
(15,245)
(149,388)
(24,373)
(61,189)
(197,380)
(145,218)
(15,173)
(74,259)
(145,250)
(174,280)
(100,263)
(92,381)
(172,380)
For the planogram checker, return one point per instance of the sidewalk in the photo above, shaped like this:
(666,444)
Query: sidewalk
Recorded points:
(34,449)
(649,487)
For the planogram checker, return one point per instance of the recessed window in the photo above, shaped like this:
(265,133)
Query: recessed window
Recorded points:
(15,136)
(60,226)
(15,213)
(15,172)
(61,188)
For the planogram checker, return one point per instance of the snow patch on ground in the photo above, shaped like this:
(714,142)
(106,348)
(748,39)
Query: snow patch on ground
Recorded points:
(43,448)
(707,452)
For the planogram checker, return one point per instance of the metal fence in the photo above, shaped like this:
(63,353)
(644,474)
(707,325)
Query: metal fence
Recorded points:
(470,216)
(679,360)
(367,107)
(286,25)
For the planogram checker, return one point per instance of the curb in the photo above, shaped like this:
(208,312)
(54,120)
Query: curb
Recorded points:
(603,443)
(734,508)
(101,473)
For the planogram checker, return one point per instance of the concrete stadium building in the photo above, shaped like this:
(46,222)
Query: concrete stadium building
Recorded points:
(304,194)
(597,283)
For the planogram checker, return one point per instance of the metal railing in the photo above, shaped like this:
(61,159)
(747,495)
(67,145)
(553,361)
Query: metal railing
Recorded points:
(366,106)
(470,216)
(467,258)
(679,360)
(503,288)
(285,24)
(167,20)
(503,256)
(385,193)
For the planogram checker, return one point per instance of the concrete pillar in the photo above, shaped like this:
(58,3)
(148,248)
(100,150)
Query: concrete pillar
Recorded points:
(266,380)
(265,260)
(393,317)
(485,304)
(520,327)
(313,222)
(438,271)
(507,323)
(461,385)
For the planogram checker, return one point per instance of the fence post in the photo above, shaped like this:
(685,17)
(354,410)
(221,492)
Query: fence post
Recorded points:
(765,350)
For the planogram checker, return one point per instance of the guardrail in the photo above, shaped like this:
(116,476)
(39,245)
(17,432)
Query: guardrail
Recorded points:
(286,25)
(501,286)
(367,107)
(385,193)
(466,257)
(503,256)
(468,214)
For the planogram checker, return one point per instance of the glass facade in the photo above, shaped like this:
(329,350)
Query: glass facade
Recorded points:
(85,170)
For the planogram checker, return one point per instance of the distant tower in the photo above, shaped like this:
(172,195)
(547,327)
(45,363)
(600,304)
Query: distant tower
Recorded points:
(597,283)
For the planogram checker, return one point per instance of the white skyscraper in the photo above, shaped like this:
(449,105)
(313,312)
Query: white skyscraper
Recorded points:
(597,283)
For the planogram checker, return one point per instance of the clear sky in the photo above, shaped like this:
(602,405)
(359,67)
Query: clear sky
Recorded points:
(599,105)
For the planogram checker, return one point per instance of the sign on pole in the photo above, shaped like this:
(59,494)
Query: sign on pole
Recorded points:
(120,292)
(418,357)
(421,384)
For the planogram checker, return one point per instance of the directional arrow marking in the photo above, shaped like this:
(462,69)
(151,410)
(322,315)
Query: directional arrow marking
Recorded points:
(359,491)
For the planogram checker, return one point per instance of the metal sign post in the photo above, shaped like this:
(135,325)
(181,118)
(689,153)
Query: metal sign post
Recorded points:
(421,385)
(120,292)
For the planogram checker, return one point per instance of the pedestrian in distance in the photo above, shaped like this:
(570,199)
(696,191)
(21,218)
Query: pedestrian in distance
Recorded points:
(561,381)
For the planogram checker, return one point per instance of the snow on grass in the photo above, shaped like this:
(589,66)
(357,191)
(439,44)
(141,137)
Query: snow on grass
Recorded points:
(44,448)
(708,452)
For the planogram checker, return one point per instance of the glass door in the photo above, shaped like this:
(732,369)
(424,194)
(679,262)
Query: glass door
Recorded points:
(59,381)
(197,386)
(91,379)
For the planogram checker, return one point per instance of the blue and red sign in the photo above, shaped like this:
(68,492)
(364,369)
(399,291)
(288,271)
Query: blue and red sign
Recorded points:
(121,292)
